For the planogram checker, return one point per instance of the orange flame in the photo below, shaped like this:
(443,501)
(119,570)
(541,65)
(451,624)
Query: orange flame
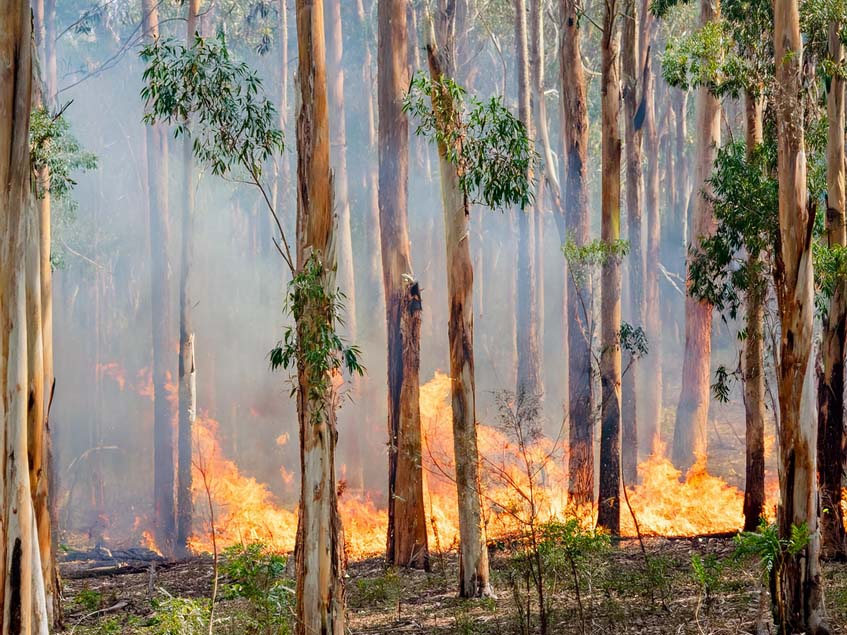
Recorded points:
(663,502)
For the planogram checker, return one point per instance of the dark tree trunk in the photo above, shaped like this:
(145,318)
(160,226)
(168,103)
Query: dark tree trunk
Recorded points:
(574,119)
(407,536)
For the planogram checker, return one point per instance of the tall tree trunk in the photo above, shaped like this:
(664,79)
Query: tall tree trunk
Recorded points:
(608,515)
(798,595)
(318,557)
(372,278)
(407,537)
(473,550)
(282,182)
(526,323)
(160,285)
(754,361)
(187,374)
(631,67)
(652,365)
(689,435)
(22,594)
(350,445)
(574,123)
(40,317)
(831,384)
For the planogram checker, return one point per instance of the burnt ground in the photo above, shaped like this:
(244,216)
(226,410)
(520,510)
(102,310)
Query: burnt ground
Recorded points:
(620,592)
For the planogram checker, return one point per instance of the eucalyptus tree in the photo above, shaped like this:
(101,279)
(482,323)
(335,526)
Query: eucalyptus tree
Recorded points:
(160,312)
(823,26)
(484,157)
(22,590)
(609,504)
(574,123)
(800,595)
(407,531)
(234,131)
(529,382)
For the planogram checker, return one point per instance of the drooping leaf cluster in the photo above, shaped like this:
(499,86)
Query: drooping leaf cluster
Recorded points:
(582,259)
(53,146)
(734,260)
(312,345)
(488,145)
(219,102)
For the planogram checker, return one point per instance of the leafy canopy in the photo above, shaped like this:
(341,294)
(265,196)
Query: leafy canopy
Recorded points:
(219,102)
(488,145)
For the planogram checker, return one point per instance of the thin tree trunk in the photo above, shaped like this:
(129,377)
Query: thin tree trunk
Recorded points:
(689,437)
(608,515)
(526,323)
(407,536)
(652,365)
(160,284)
(831,383)
(631,68)
(350,442)
(319,550)
(282,182)
(473,550)
(187,374)
(22,593)
(798,595)
(754,361)
(574,123)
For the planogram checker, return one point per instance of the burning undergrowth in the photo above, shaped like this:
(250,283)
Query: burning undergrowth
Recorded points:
(512,474)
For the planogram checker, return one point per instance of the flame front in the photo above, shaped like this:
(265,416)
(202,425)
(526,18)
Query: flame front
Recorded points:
(663,502)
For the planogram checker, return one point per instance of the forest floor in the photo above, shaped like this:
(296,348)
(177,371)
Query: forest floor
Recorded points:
(621,592)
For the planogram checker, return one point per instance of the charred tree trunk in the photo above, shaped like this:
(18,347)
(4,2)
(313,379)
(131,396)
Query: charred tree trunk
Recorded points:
(631,67)
(754,360)
(798,595)
(407,537)
(526,322)
(187,375)
(22,593)
(473,550)
(831,383)
(319,550)
(689,435)
(580,382)
(609,507)
(160,285)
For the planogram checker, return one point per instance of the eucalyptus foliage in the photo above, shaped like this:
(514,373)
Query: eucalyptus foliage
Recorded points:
(313,345)
(202,91)
(221,104)
(53,146)
(488,145)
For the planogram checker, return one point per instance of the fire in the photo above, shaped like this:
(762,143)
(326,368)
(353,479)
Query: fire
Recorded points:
(666,505)
(114,371)
(511,475)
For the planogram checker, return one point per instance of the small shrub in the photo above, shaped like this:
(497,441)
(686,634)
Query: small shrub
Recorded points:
(179,616)
(256,574)
(384,590)
(89,600)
